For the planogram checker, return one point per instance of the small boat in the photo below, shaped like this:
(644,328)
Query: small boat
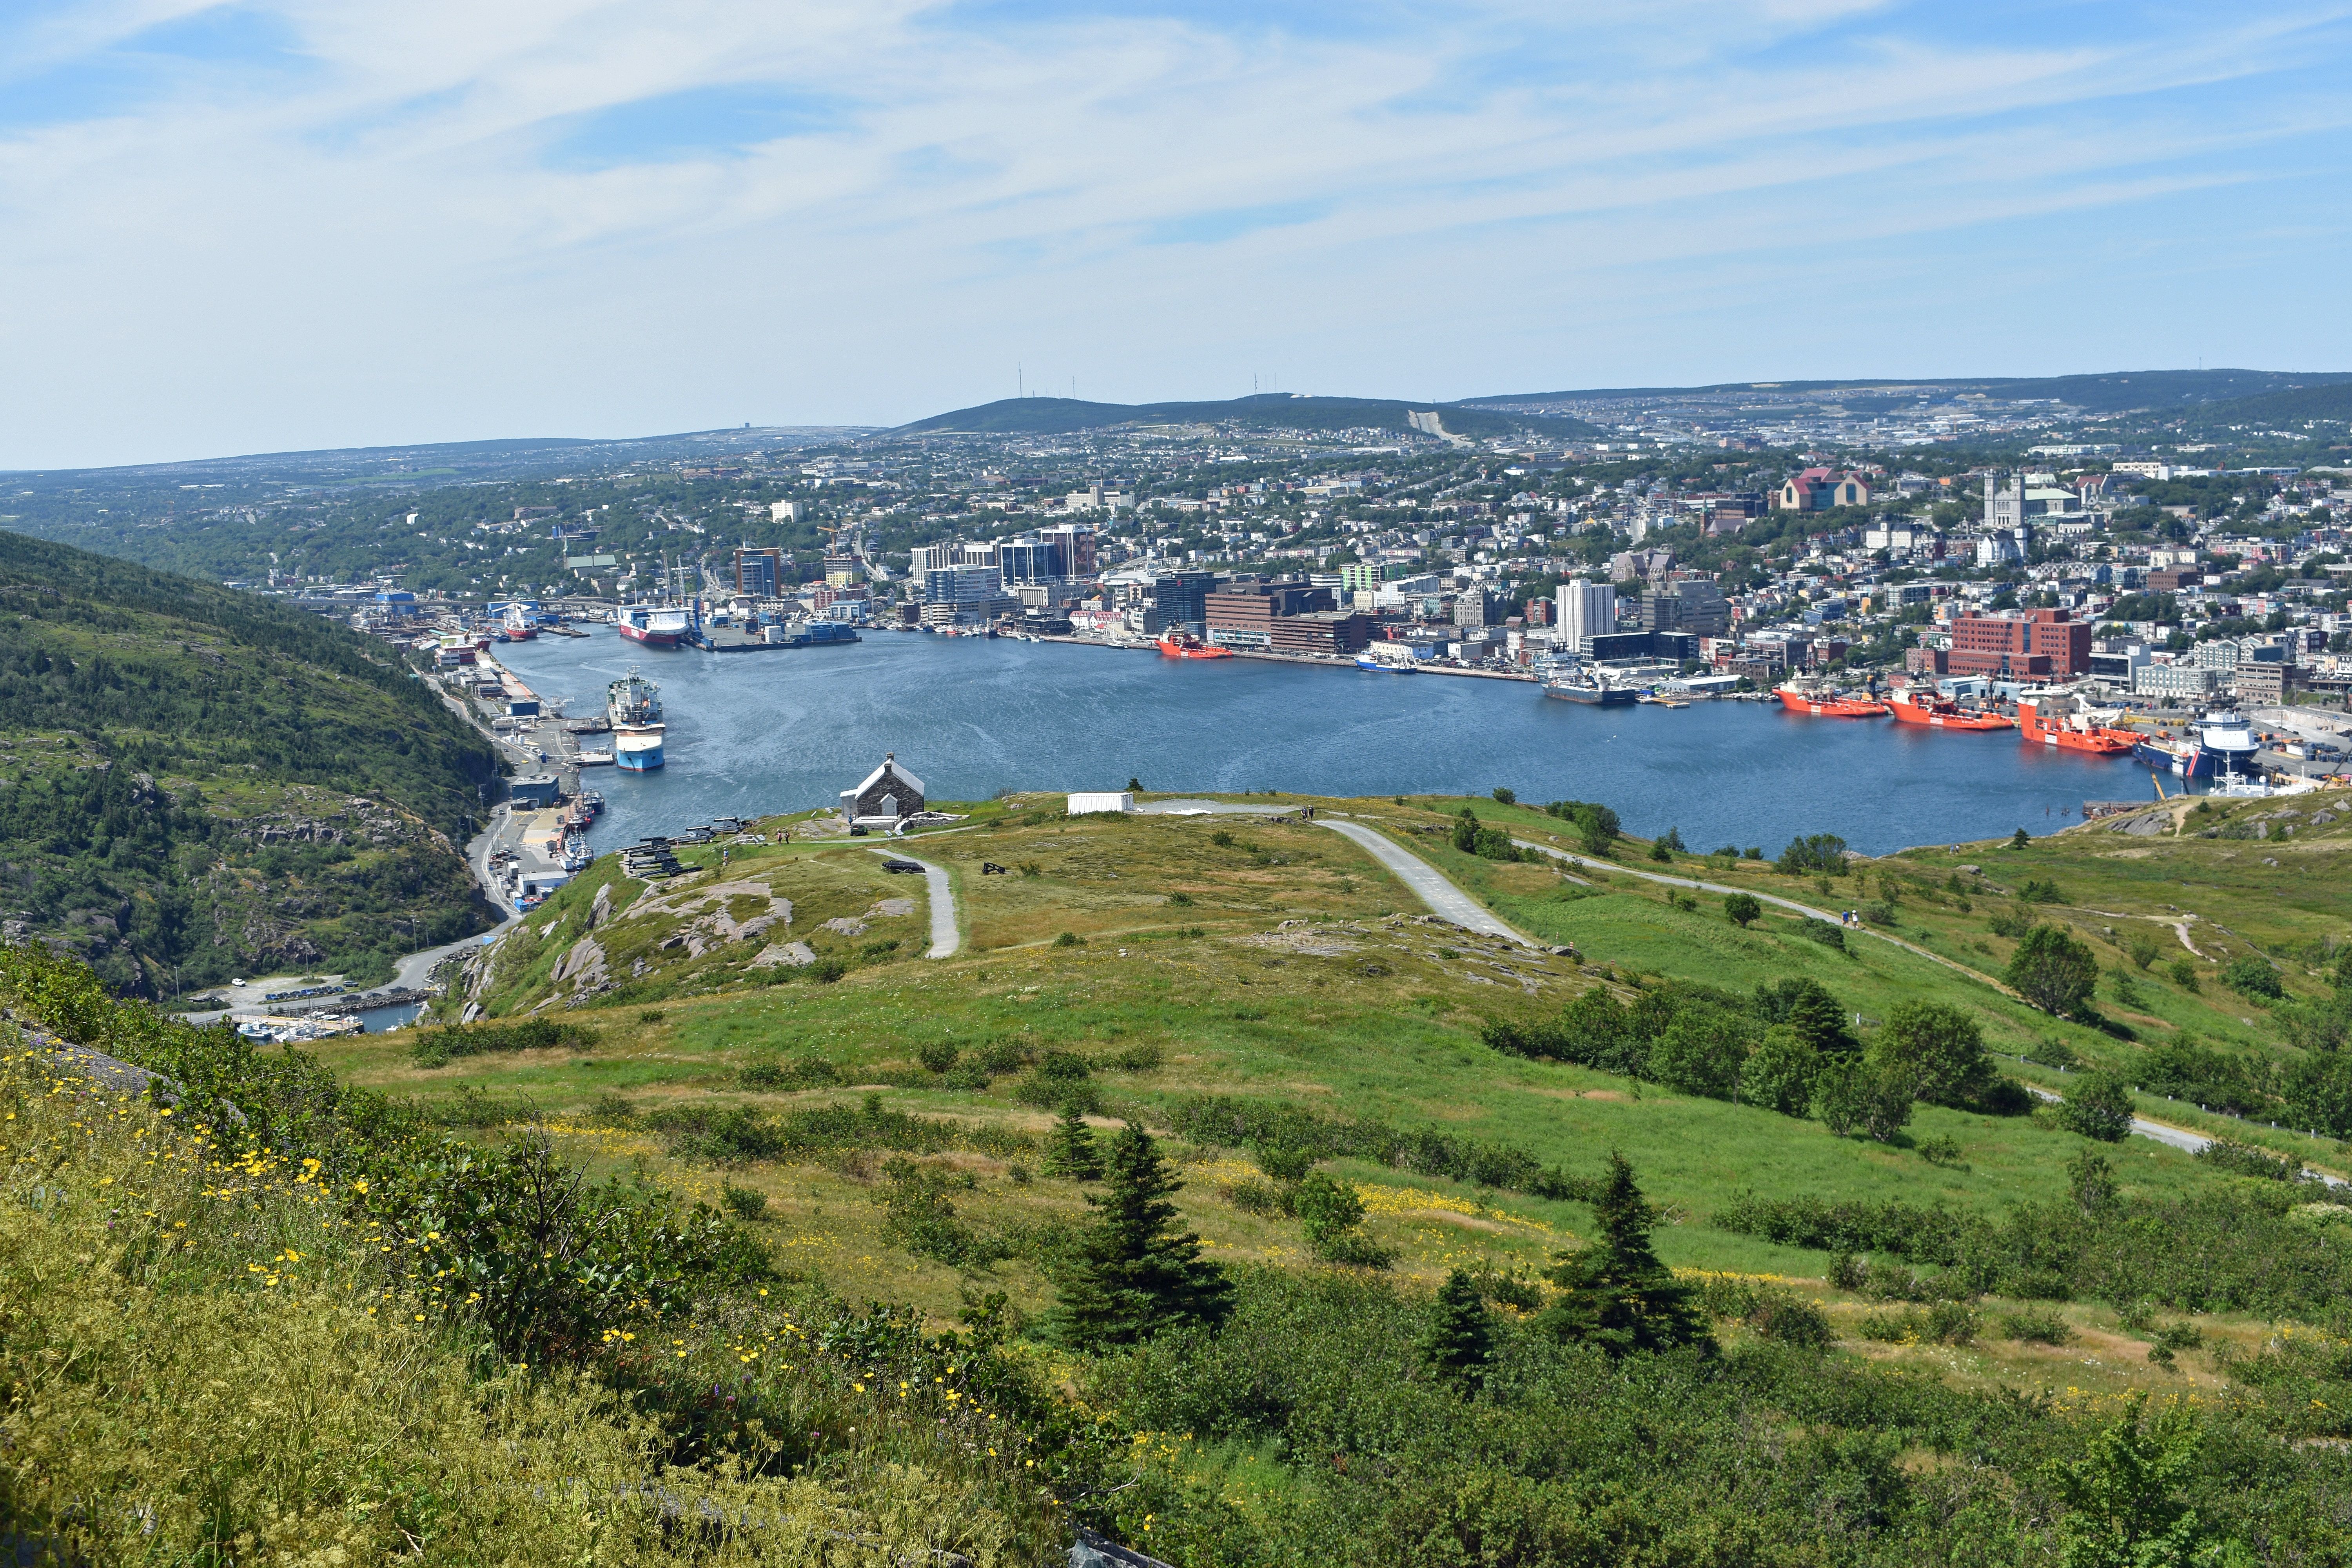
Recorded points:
(1942,713)
(1660,700)
(2071,731)
(1183,644)
(594,760)
(1827,704)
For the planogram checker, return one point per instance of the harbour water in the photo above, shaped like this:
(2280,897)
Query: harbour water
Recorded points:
(755,732)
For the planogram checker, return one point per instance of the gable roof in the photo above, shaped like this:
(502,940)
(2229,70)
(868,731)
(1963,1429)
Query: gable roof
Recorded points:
(889,765)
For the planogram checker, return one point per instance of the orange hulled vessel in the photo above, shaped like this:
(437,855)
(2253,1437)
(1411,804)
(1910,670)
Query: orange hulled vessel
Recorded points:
(1182,645)
(2072,733)
(1827,704)
(1941,713)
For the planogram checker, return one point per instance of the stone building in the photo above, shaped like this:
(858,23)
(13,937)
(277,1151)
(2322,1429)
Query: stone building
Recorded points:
(888,794)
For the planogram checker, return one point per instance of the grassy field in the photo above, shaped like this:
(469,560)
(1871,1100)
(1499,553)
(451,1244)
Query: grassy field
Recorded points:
(1274,960)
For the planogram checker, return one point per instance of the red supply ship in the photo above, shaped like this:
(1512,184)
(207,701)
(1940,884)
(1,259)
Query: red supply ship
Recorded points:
(1183,644)
(1827,704)
(1941,713)
(2072,733)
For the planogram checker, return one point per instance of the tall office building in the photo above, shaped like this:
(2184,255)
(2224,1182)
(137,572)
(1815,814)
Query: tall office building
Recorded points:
(1587,610)
(758,571)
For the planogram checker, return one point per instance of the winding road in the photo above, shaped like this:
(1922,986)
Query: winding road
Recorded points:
(946,936)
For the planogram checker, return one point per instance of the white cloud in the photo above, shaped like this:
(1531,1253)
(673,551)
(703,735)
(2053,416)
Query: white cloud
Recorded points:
(378,242)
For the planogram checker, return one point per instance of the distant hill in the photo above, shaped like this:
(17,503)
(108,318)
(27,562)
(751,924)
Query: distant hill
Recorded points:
(1265,411)
(2320,400)
(195,783)
(2110,393)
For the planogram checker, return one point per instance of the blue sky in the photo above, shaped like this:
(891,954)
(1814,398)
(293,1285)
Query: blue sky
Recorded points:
(260,226)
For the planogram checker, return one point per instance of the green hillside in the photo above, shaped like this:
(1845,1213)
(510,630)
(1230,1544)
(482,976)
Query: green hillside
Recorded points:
(195,783)
(1500,1252)
(1264,411)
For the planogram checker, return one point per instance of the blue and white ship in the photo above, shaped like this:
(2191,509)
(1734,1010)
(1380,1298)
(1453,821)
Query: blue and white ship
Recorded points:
(633,704)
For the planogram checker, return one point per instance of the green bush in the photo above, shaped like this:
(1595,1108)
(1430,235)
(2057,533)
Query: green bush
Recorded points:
(2250,977)
(2097,1105)
(439,1048)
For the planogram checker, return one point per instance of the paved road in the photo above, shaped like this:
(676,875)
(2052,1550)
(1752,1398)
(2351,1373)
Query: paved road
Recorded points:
(1444,899)
(1428,883)
(946,936)
(1692,882)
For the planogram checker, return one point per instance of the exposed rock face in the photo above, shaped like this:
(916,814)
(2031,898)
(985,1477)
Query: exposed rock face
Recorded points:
(799,954)
(708,917)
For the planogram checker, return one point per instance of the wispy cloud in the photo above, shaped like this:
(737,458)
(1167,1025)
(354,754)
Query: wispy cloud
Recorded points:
(303,221)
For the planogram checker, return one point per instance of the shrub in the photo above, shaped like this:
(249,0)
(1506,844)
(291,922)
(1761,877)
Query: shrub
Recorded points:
(1069,939)
(1825,934)
(806,1071)
(611,1110)
(1824,853)
(935,1055)
(2245,1160)
(1942,1149)
(438,1047)
(1779,1073)
(1852,1096)
(2098,1106)
(2183,971)
(1658,850)
(1144,1057)
(826,970)
(743,1203)
(2143,949)
(2250,977)
(1503,796)
(1063,1067)
(2037,1327)
(1182,900)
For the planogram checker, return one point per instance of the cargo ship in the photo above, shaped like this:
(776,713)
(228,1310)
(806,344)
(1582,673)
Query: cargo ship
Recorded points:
(1184,645)
(1593,691)
(2181,758)
(1827,704)
(517,626)
(655,626)
(634,704)
(1941,713)
(2071,731)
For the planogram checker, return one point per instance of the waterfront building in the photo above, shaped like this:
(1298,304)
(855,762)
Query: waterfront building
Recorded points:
(2020,643)
(758,573)
(1587,610)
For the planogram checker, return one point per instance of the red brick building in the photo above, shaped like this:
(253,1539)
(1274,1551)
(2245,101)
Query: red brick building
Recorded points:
(2022,643)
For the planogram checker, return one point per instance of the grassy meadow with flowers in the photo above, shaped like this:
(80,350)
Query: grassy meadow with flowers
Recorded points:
(1215,1201)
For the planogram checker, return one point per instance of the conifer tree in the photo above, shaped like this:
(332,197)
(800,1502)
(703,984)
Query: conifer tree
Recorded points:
(1133,1273)
(1070,1148)
(1616,1295)
(1459,1343)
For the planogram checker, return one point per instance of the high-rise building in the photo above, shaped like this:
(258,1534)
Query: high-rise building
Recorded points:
(1587,610)
(1074,549)
(758,573)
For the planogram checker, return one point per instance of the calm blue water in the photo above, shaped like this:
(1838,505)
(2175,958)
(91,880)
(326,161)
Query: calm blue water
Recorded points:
(782,732)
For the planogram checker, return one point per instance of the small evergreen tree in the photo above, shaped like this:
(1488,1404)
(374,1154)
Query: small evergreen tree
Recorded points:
(1616,1295)
(1132,1273)
(1070,1148)
(1940,1046)
(1459,1343)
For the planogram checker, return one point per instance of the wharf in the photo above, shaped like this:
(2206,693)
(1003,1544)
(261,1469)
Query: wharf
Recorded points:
(1316,662)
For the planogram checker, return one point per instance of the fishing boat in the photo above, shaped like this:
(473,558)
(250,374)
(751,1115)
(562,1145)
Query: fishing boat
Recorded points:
(2071,731)
(1184,645)
(1388,657)
(1593,690)
(1827,704)
(1941,713)
(1660,700)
